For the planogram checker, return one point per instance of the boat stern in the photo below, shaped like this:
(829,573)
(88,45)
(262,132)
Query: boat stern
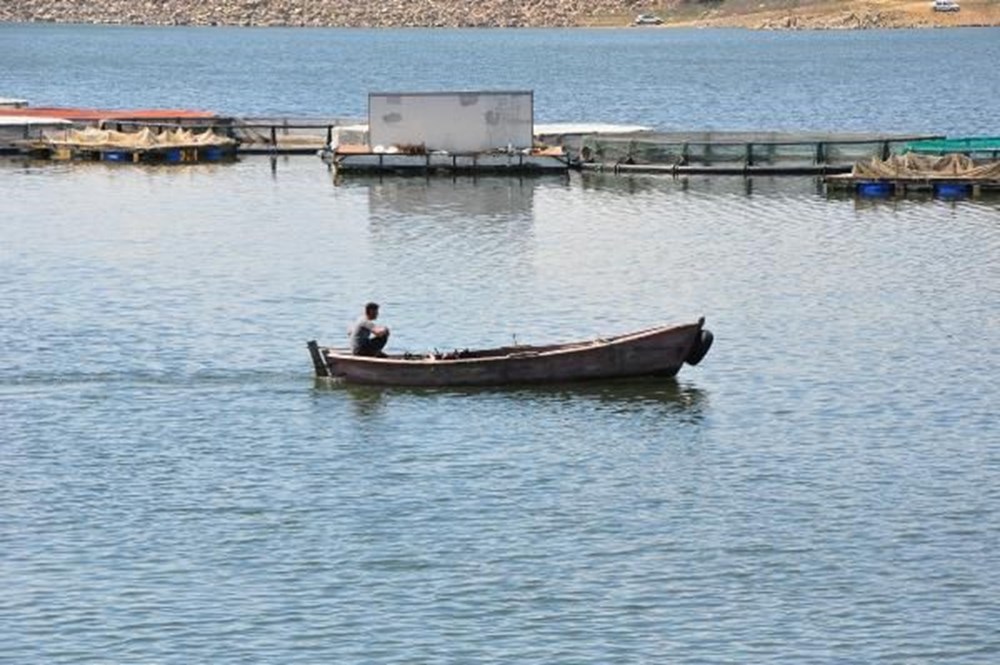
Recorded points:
(319,361)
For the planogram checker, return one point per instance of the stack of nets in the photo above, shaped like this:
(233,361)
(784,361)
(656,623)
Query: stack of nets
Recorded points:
(914,166)
(145,139)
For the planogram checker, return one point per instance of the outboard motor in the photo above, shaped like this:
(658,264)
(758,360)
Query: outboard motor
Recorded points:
(700,348)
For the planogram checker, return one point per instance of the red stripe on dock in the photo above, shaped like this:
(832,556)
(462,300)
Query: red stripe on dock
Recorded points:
(82,114)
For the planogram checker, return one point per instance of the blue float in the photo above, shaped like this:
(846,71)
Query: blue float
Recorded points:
(952,190)
(876,189)
(211,154)
(116,156)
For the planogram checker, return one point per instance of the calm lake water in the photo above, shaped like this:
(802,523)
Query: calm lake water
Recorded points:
(823,488)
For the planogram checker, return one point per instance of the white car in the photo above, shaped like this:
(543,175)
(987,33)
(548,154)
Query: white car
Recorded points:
(945,6)
(648,19)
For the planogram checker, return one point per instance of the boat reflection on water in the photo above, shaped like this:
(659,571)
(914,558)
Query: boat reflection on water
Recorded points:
(631,396)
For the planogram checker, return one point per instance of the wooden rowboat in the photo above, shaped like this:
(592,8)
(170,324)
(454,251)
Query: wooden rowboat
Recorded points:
(659,351)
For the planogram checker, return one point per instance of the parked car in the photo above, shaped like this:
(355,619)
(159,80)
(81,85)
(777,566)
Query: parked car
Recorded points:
(945,6)
(648,19)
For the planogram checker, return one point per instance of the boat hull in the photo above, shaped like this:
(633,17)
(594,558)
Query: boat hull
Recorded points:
(659,352)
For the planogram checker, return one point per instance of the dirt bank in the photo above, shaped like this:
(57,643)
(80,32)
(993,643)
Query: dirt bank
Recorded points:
(754,14)
(830,14)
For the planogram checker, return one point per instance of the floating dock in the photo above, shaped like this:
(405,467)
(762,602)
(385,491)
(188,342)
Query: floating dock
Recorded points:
(901,188)
(951,176)
(464,131)
(362,159)
(169,146)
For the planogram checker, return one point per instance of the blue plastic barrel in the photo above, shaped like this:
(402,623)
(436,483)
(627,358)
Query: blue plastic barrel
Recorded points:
(116,156)
(210,154)
(173,155)
(952,190)
(876,188)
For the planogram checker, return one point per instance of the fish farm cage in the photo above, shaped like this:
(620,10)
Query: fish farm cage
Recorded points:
(737,151)
(978,148)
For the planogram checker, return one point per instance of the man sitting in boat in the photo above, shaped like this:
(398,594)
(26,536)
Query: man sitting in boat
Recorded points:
(367,338)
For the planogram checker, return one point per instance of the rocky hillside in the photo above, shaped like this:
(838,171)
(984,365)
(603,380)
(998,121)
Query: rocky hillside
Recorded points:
(335,13)
(757,14)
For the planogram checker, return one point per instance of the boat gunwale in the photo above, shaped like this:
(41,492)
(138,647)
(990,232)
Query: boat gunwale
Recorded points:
(527,351)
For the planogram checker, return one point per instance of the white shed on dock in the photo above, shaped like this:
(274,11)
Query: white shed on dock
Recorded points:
(455,122)
(15,129)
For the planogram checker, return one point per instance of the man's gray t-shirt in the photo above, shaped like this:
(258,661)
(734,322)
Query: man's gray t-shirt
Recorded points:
(360,332)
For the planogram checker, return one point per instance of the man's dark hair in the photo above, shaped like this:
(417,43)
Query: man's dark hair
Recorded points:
(371,307)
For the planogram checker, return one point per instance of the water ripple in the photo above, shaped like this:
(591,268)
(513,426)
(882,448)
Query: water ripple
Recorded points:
(177,487)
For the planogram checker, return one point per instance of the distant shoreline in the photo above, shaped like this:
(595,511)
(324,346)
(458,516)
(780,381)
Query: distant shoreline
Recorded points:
(749,14)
